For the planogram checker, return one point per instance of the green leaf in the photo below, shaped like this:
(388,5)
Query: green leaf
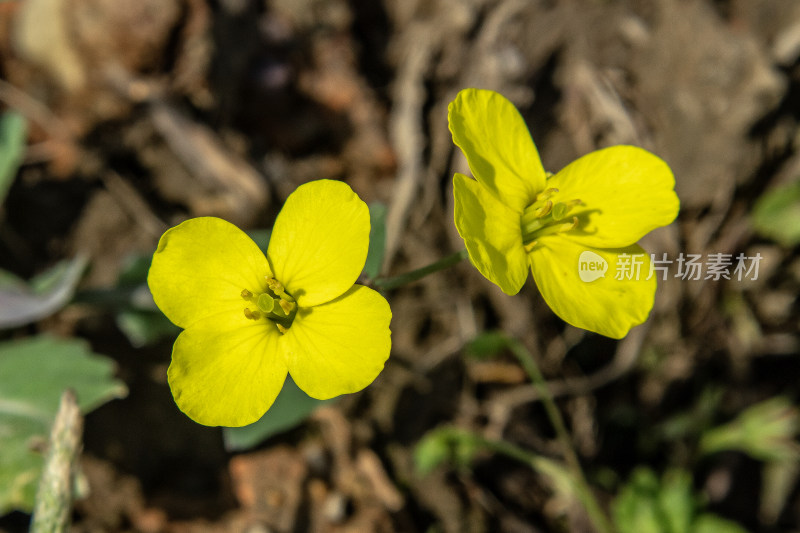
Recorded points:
(291,407)
(13,133)
(764,431)
(636,509)
(377,240)
(676,501)
(145,327)
(710,523)
(450,444)
(776,214)
(433,450)
(669,505)
(649,505)
(34,374)
(689,424)
(261,238)
(134,269)
(487,344)
(778,479)
(42,296)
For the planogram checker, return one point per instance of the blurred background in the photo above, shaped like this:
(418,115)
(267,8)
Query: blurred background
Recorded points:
(121,119)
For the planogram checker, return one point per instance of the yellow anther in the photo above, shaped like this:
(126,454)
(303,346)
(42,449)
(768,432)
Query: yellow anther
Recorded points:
(277,287)
(546,216)
(544,210)
(281,328)
(286,306)
(246,294)
(274,285)
(251,315)
(574,224)
(545,194)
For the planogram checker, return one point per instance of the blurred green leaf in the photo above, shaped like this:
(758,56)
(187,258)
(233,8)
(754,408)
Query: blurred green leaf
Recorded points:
(778,479)
(291,407)
(34,374)
(460,447)
(691,423)
(134,269)
(377,240)
(487,344)
(560,478)
(676,500)
(13,132)
(261,238)
(776,214)
(636,508)
(710,523)
(145,327)
(42,296)
(447,444)
(431,451)
(647,504)
(764,431)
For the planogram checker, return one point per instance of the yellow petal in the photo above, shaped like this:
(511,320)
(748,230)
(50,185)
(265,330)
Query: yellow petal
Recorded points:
(319,242)
(227,376)
(498,146)
(626,192)
(605,305)
(492,234)
(339,347)
(200,268)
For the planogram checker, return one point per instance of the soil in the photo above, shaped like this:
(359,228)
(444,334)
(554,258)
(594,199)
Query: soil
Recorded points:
(145,114)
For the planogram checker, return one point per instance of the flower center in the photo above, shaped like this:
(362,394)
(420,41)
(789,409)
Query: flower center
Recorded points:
(543,217)
(274,305)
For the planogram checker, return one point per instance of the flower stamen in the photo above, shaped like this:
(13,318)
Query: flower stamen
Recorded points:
(287,307)
(277,287)
(274,304)
(544,217)
(544,210)
(251,315)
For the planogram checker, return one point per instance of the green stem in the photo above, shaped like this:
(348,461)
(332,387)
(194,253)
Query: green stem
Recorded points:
(52,509)
(387,284)
(586,495)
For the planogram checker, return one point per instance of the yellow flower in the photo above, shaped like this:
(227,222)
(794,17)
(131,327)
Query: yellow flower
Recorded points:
(514,214)
(249,319)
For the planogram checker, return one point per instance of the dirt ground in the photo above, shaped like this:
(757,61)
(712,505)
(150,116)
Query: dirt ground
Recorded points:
(146,113)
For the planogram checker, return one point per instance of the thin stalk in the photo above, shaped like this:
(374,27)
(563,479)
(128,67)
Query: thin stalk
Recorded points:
(53,506)
(589,501)
(387,284)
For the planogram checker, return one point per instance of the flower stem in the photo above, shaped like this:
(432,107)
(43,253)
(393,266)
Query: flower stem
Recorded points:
(394,282)
(593,509)
(52,508)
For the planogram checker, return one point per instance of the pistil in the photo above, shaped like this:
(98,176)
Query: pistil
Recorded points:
(544,217)
(274,304)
